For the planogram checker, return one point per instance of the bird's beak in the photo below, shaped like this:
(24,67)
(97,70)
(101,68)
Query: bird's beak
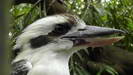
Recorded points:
(94,36)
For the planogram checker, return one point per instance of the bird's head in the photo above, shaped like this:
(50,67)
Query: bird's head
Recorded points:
(66,31)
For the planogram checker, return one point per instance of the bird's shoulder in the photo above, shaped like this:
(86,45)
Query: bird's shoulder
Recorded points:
(21,67)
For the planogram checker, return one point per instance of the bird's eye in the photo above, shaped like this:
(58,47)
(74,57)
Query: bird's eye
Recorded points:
(61,29)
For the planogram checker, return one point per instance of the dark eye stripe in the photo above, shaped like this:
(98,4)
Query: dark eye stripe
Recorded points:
(61,29)
(39,41)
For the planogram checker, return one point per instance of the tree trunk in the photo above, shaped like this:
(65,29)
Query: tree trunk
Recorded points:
(4,52)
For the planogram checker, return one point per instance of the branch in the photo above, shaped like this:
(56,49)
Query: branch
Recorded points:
(51,6)
(16,2)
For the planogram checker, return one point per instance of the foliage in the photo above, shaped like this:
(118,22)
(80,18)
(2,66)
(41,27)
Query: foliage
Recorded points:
(111,13)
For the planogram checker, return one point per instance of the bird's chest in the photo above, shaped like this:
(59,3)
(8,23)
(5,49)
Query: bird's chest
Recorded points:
(51,65)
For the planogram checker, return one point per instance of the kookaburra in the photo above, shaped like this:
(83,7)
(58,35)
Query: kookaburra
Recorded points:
(46,45)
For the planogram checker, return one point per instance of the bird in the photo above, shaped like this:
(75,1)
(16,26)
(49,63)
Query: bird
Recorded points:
(45,46)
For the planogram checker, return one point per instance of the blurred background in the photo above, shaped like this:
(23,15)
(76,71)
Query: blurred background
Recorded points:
(110,60)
